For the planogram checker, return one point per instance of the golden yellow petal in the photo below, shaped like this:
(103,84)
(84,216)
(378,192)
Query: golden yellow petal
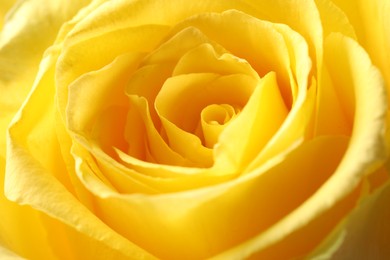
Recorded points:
(182,99)
(259,120)
(146,142)
(331,114)
(94,92)
(265,48)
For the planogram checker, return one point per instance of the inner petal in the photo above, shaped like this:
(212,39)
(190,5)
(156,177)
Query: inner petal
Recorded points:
(254,40)
(214,119)
(182,98)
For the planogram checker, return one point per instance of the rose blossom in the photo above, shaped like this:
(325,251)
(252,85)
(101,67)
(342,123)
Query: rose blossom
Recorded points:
(137,129)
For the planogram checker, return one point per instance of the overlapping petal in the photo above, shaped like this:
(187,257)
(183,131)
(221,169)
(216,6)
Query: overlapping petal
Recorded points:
(165,138)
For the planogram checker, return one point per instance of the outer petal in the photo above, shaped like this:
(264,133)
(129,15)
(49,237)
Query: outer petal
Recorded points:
(5,5)
(366,228)
(6,254)
(371,21)
(27,26)
(21,229)
(36,175)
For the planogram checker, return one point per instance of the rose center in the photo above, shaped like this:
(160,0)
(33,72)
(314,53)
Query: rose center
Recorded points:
(213,120)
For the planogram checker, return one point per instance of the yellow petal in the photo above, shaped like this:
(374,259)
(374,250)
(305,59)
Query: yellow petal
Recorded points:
(96,91)
(21,228)
(364,234)
(172,50)
(265,48)
(259,120)
(182,99)
(7,254)
(365,153)
(130,176)
(331,109)
(192,219)
(147,142)
(5,6)
(99,23)
(308,24)
(333,19)
(371,22)
(82,55)
(207,58)
(36,175)
(27,26)
(296,128)
(28,183)
(214,119)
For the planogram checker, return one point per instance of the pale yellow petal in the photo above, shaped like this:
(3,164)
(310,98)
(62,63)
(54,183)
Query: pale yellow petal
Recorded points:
(7,254)
(5,6)
(27,26)
(21,228)
(134,13)
(28,183)
(333,19)
(371,21)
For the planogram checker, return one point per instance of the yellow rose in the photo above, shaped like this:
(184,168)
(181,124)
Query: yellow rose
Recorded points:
(165,129)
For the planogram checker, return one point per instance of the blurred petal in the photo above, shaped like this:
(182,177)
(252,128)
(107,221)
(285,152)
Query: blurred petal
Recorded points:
(7,254)
(364,234)
(5,6)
